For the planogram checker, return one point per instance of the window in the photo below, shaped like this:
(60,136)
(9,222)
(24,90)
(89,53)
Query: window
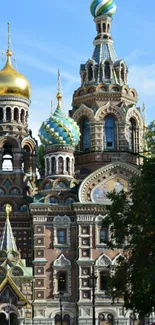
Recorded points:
(61,235)
(103,235)
(8,114)
(67,164)
(90,72)
(16,114)
(122,73)
(53,162)
(104,28)
(132,135)
(62,281)
(107,70)
(1,114)
(109,132)
(104,275)
(85,134)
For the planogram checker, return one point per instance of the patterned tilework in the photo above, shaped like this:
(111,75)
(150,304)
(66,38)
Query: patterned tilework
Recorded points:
(59,129)
(103,52)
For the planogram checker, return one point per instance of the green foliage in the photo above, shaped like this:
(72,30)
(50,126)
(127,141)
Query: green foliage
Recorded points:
(41,153)
(131,219)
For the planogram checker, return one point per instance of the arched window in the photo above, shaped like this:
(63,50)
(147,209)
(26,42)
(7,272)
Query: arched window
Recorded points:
(60,165)
(67,164)
(53,162)
(99,28)
(122,73)
(132,135)
(85,134)
(107,70)
(109,132)
(104,276)
(8,114)
(90,72)
(62,281)
(1,113)
(22,116)
(16,115)
(47,166)
(104,28)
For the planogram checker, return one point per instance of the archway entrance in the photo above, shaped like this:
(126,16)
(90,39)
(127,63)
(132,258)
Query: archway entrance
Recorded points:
(5,321)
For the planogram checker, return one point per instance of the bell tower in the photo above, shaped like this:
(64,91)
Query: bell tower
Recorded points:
(104,106)
(17,153)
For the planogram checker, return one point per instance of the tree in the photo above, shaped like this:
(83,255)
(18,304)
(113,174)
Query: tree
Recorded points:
(41,153)
(131,219)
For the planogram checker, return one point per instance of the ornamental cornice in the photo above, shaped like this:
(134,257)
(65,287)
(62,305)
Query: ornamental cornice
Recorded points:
(96,177)
(89,207)
(15,98)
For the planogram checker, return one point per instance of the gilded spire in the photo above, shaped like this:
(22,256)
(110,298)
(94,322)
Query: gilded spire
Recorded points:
(8,209)
(59,94)
(8,241)
(9,52)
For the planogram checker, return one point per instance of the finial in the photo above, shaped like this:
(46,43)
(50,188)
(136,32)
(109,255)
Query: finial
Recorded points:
(8,209)
(9,52)
(59,94)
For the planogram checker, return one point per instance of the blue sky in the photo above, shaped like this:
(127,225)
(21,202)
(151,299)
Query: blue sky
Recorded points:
(47,35)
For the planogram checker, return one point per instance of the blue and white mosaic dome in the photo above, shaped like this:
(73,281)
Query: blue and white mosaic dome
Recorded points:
(59,129)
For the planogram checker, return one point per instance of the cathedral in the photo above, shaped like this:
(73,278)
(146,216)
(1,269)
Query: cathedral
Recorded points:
(52,243)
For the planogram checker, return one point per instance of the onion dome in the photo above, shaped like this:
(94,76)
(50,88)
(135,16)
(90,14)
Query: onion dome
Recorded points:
(59,129)
(12,82)
(150,134)
(103,7)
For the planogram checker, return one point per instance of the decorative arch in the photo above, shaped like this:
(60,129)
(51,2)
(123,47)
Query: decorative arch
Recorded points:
(14,190)
(62,263)
(65,220)
(134,113)
(91,89)
(104,174)
(17,271)
(103,261)
(61,183)
(28,142)
(52,198)
(109,109)
(80,91)
(114,261)
(46,181)
(11,141)
(133,93)
(83,110)
(102,87)
(125,89)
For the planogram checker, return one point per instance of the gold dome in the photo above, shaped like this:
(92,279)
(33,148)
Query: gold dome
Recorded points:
(13,82)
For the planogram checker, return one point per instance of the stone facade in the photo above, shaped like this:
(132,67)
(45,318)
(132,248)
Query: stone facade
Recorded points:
(56,220)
